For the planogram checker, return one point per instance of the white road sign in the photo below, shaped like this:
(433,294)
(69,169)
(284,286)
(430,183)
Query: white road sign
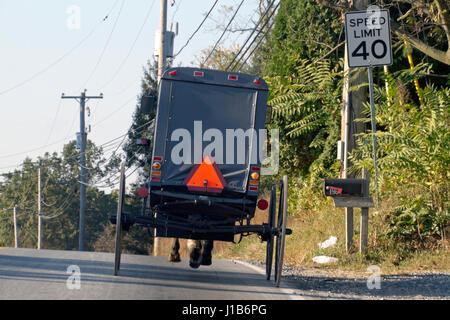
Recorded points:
(368,35)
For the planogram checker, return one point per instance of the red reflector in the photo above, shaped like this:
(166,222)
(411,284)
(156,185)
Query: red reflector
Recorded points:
(263,204)
(172,73)
(143,192)
(157,159)
(232,77)
(253,189)
(198,74)
(156,179)
(257,82)
(255,168)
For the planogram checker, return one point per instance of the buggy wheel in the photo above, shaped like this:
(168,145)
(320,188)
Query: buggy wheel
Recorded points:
(281,225)
(118,249)
(271,221)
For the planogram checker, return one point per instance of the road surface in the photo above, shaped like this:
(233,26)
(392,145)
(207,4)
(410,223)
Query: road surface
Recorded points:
(52,275)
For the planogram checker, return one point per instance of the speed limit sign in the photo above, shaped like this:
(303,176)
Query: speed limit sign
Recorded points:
(368,35)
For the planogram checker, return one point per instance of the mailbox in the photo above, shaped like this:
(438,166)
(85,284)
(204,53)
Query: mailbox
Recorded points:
(344,187)
(348,193)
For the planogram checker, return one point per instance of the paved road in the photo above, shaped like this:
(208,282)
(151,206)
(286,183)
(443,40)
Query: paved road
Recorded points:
(32,274)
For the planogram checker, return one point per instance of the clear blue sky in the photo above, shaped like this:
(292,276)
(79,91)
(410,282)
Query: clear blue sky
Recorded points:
(35,34)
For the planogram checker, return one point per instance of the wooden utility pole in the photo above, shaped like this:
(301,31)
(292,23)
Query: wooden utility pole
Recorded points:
(346,136)
(353,105)
(83,135)
(39,244)
(15,228)
(161,69)
(162,40)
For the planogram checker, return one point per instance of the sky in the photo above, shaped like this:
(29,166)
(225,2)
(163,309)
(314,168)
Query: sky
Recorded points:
(50,47)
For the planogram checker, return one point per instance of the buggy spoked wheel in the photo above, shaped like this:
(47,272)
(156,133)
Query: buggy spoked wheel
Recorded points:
(120,203)
(281,226)
(271,222)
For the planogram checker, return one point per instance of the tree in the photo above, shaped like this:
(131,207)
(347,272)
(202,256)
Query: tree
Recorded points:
(60,199)
(299,40)
(141,126)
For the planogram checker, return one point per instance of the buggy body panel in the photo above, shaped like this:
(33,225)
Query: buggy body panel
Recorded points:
(202,107)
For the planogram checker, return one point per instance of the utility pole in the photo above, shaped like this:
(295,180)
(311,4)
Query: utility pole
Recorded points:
(15,227)
(162,40)
(352,109)
(39,244)
(161,69)
(83,135)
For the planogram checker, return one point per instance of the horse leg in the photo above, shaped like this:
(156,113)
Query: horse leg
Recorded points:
(206,253)
(174,255)
(195,249)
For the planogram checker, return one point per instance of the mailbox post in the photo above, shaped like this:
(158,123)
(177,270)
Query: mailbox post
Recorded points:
(352,193)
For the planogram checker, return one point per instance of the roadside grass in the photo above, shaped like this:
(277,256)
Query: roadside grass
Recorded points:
(311,228)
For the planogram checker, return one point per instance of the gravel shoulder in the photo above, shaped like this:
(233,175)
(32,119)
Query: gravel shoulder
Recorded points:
(314,283)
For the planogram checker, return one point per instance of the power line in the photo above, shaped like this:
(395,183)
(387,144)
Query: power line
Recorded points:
(251,34)
(131,48)
(196,30)
(256,37)
(105,46)
(51,65)
(224,31)
(175,12)
(257,46)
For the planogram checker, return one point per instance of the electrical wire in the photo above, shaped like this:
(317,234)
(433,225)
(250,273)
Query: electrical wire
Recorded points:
(196,30)
(251,34)
(105,46)
(175,12)
(256,37)
(54,63)
(224,31)
(131,48)
(256,47)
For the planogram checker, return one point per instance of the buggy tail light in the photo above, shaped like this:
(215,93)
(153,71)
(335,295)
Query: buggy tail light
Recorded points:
(233,77)
(254,178)
(256,81)
(173,73)
(156,168)
(198,74)
(156,165)
(262,204)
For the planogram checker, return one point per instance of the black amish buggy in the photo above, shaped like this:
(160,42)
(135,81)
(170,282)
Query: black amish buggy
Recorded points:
(206,164)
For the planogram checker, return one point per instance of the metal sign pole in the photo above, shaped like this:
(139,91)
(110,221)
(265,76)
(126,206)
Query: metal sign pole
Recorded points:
(374,130)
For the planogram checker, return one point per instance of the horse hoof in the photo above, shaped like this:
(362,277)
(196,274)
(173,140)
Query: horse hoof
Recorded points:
(206,261)
(174,258)
(194,265)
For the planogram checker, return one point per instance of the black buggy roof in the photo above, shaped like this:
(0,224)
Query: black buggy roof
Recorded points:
(218,77)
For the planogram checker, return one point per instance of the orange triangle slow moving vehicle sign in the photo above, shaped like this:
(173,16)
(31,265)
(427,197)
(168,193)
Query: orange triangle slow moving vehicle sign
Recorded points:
(205,177)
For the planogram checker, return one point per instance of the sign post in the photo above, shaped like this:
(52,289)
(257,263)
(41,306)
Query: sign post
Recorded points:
(368,37)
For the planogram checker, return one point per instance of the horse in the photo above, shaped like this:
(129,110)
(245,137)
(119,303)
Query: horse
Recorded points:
(199,252)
